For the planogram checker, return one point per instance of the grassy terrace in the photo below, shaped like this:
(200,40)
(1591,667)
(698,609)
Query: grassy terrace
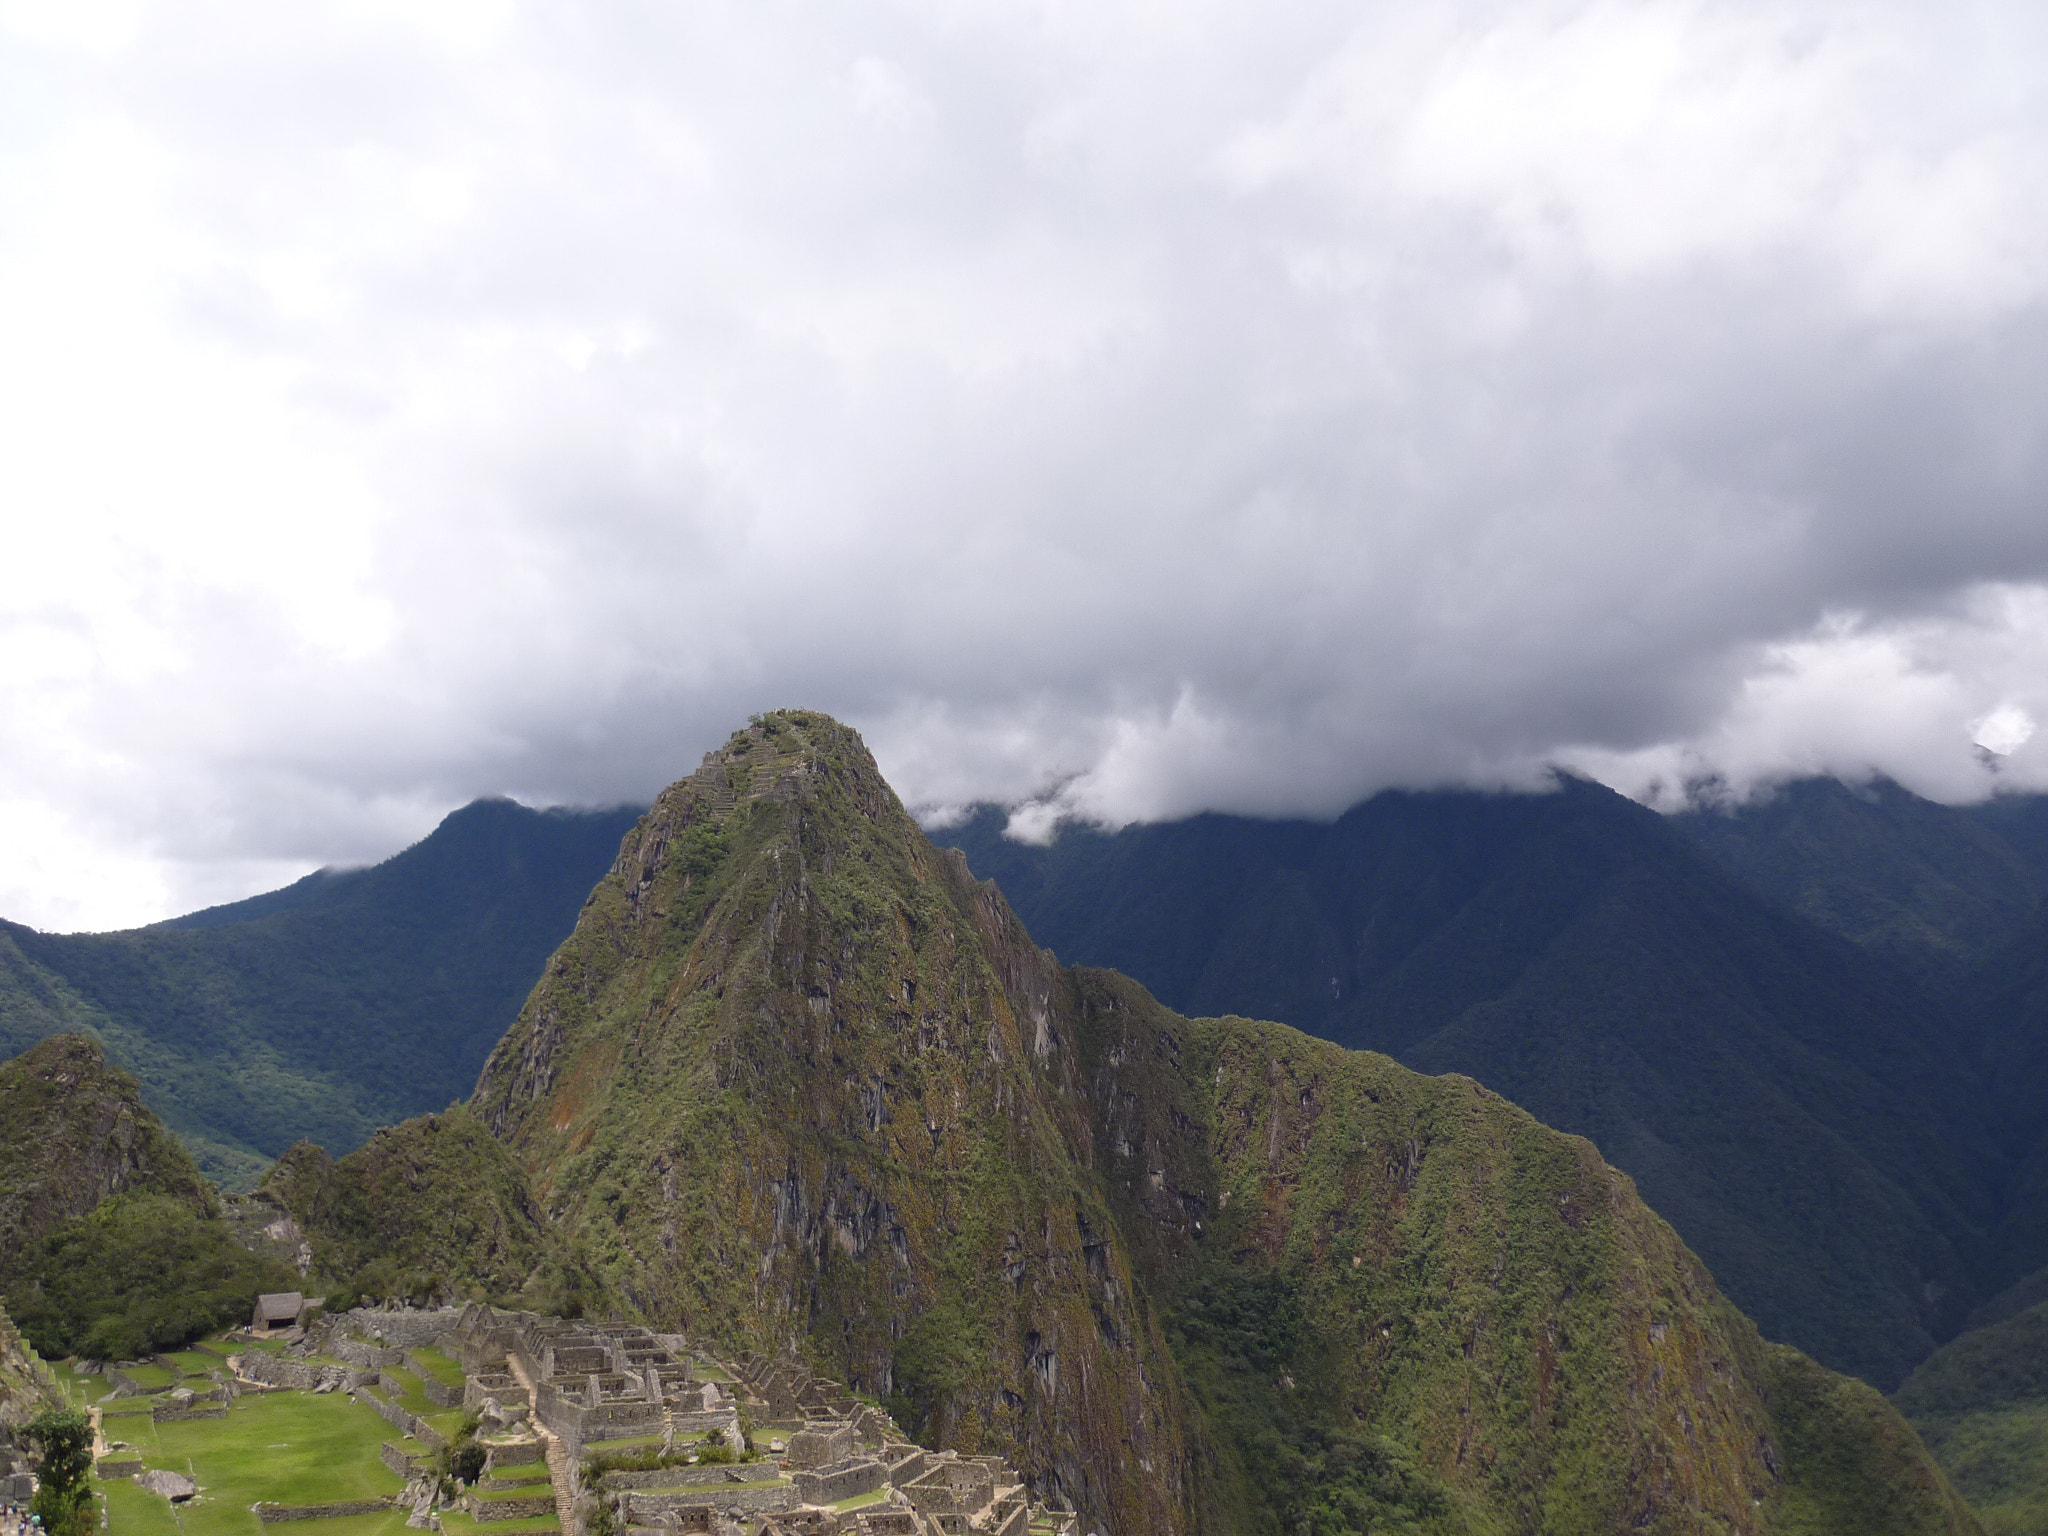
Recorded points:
(412,1398)
(443,1370)
(288,1447)
(148,1376)
(456,1523)
(196,1362)
(525,1491)
(529,1472)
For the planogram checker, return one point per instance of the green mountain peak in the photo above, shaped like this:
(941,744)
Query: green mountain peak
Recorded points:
(798,1080)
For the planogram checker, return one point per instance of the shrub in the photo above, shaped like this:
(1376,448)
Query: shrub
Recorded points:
(63,1498)
(135,1276)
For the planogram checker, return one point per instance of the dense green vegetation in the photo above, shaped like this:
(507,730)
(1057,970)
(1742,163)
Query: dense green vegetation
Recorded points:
(62,1438)
(1256,1365)
(1935,888)
(111,1244)
(72,1132)
(432,1208)
(1790,1102)
(345,1002)
(1981,1404)
(797,1079)
(137,1275)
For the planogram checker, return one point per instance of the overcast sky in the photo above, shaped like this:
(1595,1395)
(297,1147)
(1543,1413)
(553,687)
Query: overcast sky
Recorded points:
(1116,409)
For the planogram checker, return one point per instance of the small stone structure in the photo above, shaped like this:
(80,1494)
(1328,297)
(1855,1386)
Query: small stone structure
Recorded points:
(277,1311)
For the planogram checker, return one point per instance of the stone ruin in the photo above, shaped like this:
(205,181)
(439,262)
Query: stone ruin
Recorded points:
(832,1464)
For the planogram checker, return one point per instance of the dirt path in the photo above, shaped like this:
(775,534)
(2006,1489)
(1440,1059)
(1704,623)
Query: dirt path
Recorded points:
(560,1473)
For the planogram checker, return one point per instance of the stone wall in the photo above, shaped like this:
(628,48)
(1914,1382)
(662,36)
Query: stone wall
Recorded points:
(407,1467)
(371,1357)
(290,1371)
(682,1476)
(408,1329)
(165,1413)
(819,1445)
(760,1498)
(841,1480)
(398,1418)
(272,1514)
(903,1463)
(482,1508)
(112,1468)
(498,1387)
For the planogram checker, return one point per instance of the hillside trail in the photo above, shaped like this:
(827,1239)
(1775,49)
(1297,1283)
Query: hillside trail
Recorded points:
(558,1459)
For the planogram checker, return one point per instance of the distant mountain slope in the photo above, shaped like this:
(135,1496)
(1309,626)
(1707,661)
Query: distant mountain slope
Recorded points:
(1981,1404)
(347,1001)
(797,1078)
(1791,1103)
(1932,886)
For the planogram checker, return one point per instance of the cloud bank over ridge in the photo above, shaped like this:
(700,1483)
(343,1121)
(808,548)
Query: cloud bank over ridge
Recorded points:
(1122,408)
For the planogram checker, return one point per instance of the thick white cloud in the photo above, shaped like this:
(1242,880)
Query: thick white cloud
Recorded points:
(1123,408)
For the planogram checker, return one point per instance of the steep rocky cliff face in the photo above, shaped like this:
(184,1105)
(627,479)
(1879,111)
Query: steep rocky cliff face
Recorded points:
(797,1078)
(73,1131)
(1406,1298)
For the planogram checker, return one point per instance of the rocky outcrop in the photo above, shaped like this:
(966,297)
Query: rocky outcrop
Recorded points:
(26,1384)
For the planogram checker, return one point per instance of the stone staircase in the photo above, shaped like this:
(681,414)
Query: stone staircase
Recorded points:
(561,1472)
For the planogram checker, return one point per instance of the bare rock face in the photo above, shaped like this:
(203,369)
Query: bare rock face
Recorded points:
(174,1486)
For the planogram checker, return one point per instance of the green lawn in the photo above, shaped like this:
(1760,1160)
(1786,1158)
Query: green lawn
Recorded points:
(440,1366)
(455,1523)
(132,1512)
(390,1523)
(147,1376)
(701,1372)
(288,1447)
(861,1500)
(500,1495)
(79,1387)
(525,1472)
(195,1362)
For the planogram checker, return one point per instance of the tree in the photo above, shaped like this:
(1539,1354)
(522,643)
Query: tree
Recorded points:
(63,1499)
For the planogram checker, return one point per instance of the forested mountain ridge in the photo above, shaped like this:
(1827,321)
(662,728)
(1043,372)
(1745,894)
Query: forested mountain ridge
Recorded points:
(798,1076)
(111,1243)
(342,1003)
(74,1131)
(1792,1102)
